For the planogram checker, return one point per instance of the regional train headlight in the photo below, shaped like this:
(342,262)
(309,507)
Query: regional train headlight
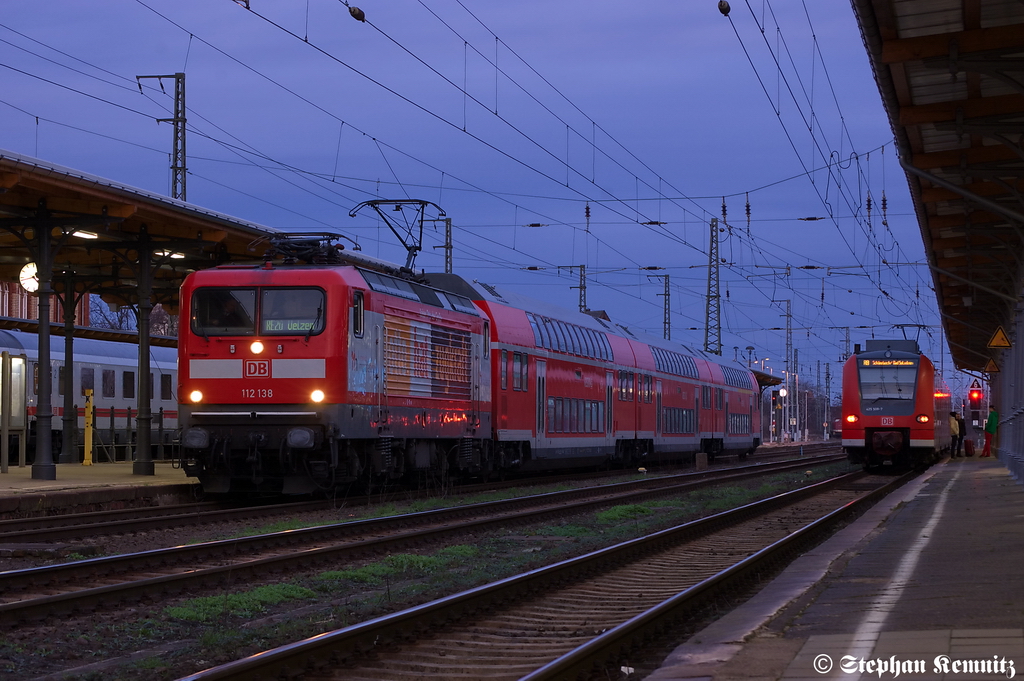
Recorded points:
(317,396)
(923,418)
(256,347)
(852,418)
(196,396)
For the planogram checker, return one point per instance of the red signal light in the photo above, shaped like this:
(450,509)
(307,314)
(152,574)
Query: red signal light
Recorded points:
(974,398)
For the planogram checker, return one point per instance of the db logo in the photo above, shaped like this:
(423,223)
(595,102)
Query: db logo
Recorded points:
(256,368)
(886,420)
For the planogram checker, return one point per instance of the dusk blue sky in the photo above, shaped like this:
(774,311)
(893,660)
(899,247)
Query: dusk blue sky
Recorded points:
(512,114)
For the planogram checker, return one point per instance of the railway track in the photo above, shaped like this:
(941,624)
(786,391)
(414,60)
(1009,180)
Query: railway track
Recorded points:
(82,586)
(104,523)
(580,618)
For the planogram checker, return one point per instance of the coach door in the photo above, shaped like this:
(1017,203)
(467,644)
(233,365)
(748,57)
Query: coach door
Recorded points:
(696,411)
(609,403)
(484,349)
(657,403)
(542,396)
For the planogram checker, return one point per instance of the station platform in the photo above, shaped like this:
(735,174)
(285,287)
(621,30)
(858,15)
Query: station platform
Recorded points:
(77,487)
(924,586)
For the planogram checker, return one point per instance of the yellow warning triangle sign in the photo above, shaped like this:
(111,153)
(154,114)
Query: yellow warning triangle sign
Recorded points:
(991,367)
(999,339)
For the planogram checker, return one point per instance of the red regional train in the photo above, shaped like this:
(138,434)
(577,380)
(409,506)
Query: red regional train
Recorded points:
(329,368)
(892,414)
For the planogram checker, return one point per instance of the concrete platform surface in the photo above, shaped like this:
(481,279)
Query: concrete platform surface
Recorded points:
(76,476)
(928,584)
(96,487)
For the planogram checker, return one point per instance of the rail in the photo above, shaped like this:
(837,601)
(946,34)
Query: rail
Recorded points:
(332,648)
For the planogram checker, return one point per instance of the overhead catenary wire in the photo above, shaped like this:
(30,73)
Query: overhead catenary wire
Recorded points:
(760,250)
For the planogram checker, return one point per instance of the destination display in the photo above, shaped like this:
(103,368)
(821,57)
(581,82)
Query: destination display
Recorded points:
(889,362)
(286,325)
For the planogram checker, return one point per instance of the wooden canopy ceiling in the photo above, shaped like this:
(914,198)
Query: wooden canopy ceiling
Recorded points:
(951,75)
(98,229)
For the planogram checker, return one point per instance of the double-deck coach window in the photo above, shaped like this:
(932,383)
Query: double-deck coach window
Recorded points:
(555,334)
(627,381)
(572,415)
(520,371)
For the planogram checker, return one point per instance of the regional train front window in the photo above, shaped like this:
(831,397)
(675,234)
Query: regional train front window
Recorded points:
(887,379)
(292,311)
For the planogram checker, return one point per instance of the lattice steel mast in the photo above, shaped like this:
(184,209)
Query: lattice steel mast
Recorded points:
(713,316)
(178,168)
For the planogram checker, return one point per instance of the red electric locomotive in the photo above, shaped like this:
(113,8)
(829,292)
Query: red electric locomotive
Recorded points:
(354,370)
(295,377)
(892,413)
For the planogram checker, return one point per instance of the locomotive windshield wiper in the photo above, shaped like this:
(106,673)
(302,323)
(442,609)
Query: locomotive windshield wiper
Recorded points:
(319,311)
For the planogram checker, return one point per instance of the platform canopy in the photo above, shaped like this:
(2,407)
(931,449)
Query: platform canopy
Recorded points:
(766,380)
(951,75)
(100,230)
(65,232)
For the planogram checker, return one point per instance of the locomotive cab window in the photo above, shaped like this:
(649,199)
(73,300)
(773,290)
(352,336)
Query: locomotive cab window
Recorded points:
(224,312)
(358,312)
(282,312)
(291,311)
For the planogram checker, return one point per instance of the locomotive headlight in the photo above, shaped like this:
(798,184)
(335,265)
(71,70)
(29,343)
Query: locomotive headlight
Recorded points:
(317,396)
(852,418)
(923,418)
(256,347)
(196,396)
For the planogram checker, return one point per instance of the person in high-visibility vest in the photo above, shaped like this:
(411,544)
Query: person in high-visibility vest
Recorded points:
(990,429)
(956,435)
